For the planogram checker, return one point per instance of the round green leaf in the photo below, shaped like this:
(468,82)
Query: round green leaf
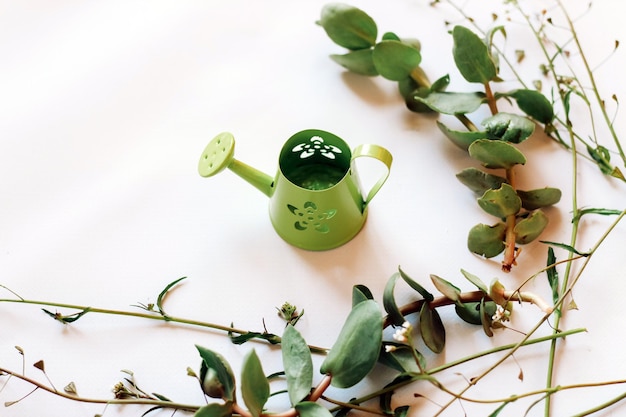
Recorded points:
(469,312)
(359,62)
(462,139)
(431,329)
(479,181)
(502,202)
(508,127)
(215,410)
(356,350)
(530,228)
(472,56)
(453,103)
(298,364)
(390,36)
(395,60)
(485,240)
(496,154)
(311,409)
(542,197)
(534,104)
(255,388)
(348,26)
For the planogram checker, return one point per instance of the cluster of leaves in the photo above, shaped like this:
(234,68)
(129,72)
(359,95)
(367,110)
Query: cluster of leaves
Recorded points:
(351,358)
(521,219)
(357,349)
(477,307)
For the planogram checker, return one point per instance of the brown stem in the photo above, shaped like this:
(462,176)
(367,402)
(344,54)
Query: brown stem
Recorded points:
(321,388)
(473,297)
(73,397)
(414,307)
(491,100)
(510,250)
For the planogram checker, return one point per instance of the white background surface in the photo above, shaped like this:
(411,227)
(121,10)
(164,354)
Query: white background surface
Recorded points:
(104,110)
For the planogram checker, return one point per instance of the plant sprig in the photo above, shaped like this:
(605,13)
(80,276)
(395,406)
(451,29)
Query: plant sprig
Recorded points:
(520,214)
(358,348)
(362,343)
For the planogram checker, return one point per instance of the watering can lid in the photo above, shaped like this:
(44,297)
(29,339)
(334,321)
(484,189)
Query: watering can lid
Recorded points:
(217,155)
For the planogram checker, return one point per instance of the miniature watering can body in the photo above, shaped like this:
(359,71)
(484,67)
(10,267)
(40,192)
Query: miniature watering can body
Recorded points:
(316,202)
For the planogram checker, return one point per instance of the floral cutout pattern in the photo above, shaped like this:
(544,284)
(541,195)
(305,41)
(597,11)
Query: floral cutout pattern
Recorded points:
(309,217)
(316,144)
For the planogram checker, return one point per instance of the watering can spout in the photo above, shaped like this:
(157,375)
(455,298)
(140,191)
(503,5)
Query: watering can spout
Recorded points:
(258,179)
(219,155)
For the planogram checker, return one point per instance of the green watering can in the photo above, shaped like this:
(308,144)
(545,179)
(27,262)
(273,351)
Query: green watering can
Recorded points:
(316,201)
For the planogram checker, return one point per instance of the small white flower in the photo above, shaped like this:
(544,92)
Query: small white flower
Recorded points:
(401,334)
(390,348)
(500,315)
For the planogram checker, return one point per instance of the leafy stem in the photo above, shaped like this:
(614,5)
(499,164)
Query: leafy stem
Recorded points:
(66,319)
(432,371)
(73,397)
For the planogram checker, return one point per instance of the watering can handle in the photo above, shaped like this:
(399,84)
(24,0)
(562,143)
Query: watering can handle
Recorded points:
(376,152)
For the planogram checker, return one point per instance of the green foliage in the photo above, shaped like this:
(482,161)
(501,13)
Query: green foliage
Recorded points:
(446,288)
(508,127)
(534,104)
(298,364)
(453,103)
(485,240)
(472,57)
(475,280)
(462,139)
(495,154)
(215,410)
(431,328)
(255,389)
(216,376)
(389,301)
(359,62)
(494,147)
(544,197)
(360,293)
(502,202)
(402,358)
(348,26)
(311,409)
(357,347)
(529,228)
(480,182)
(395,60)
(553,275)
